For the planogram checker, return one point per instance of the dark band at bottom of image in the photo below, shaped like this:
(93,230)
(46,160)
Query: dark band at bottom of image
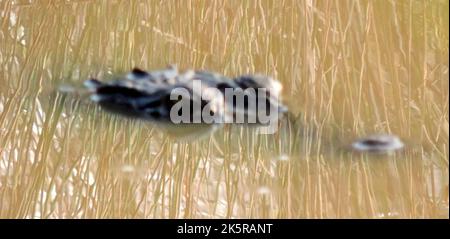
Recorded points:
(230,228)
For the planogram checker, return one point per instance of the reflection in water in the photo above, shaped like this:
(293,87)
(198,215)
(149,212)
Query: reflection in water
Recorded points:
(226,173)
(188,132)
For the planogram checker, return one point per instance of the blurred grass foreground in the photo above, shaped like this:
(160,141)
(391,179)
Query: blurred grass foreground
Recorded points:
(349,69)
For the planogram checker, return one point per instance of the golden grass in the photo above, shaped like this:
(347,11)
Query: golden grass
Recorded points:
(349,68)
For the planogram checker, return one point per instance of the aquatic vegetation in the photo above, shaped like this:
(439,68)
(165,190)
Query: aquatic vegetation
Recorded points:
(348,69)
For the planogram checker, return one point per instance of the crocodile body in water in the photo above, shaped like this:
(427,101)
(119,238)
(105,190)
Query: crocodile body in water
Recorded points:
(147,95)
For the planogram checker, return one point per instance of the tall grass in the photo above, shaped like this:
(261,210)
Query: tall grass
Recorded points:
(349,68)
